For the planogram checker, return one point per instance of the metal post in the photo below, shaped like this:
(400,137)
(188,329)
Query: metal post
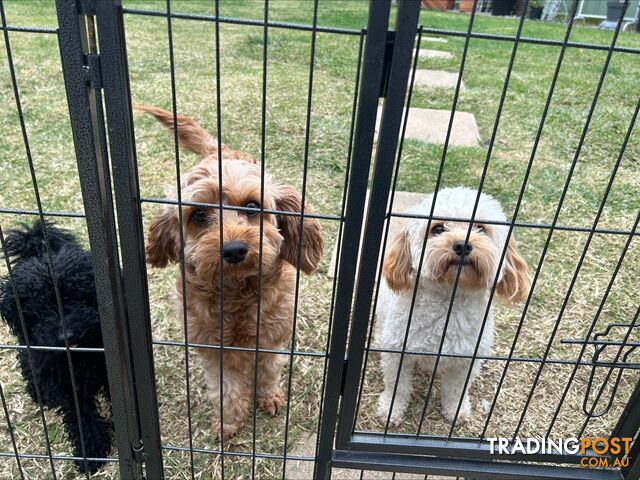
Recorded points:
(115,81)
(85,110)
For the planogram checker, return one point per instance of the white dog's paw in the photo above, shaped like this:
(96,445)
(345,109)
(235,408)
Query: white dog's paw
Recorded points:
(464,415)
(383,411)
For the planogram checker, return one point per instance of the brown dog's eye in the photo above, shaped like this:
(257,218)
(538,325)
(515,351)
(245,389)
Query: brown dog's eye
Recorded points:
(199,216)
(251,205)
(480,228)
(438,229)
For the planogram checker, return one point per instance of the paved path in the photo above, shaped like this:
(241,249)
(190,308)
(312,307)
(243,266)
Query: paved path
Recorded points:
(434,54)
(431,125)
(437,79)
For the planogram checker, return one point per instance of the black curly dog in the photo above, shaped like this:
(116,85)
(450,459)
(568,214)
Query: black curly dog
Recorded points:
(31,284)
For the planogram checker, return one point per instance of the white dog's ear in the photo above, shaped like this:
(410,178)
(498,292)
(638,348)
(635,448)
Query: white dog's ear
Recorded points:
(397,268)
(514,285)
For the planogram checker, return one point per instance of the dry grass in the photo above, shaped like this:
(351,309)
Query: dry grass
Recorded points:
(43,98)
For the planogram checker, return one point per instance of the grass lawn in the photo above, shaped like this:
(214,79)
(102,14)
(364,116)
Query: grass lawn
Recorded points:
(43,98)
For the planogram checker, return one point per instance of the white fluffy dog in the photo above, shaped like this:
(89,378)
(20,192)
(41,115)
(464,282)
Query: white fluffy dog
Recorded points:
(446,251)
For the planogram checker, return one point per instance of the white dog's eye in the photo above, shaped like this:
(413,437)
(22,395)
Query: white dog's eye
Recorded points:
(438,229)
(480,228)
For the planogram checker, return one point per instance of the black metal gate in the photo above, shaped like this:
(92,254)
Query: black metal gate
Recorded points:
(95,68)
(347,446)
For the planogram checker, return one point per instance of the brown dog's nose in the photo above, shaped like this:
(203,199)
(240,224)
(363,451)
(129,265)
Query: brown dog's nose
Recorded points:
(461,248)
(234,252)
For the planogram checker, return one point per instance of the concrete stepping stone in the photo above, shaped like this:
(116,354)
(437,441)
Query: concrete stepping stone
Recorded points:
(402,201)
(431,125)
(434,54)
(437,79)
(433,39)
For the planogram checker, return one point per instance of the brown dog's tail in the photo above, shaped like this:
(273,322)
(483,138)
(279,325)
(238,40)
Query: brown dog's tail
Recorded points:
(191,136)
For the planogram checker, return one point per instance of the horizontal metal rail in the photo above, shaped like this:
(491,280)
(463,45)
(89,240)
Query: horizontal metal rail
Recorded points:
(167,201)
(48,348)
(46,213)
(567,228)
(531,40)
(70,458)
(455,447)
(551,361)
(242,21)
(63,458)
(356,32)
(296,353)
(231,453)
(20,28)
(478,470)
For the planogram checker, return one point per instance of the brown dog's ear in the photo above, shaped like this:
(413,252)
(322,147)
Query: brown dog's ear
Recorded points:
(514,286)
(163,240)
(397,268)
(288,200)
(191,136)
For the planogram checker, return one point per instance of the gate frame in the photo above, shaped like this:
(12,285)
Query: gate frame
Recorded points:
(125,318)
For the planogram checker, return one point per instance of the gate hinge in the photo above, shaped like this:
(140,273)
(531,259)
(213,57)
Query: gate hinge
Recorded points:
(92,70)
(344,375)
(386,63)
(138,452)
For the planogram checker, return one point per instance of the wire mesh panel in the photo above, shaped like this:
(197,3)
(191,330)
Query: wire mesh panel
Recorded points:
(442,365)
(272,93)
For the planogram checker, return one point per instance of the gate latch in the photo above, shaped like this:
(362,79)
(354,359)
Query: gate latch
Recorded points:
(92,70)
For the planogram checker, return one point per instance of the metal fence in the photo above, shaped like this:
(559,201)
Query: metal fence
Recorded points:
(95,67)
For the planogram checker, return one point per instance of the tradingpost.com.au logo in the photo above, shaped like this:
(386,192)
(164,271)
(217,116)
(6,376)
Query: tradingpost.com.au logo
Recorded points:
(609,452)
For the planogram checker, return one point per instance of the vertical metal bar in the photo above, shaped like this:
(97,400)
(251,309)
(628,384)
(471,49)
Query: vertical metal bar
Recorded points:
(341,227)
(185,324)
(385,236)
(89,144)
(115,80)
(633,471)
(11,433)
(263,141)
(388,137)
(303,195)
(221,220)
(357,189)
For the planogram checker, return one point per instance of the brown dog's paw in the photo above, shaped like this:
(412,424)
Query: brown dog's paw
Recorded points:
(272,404)
(224,434)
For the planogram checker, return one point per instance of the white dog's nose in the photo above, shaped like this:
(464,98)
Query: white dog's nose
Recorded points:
(461,248)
